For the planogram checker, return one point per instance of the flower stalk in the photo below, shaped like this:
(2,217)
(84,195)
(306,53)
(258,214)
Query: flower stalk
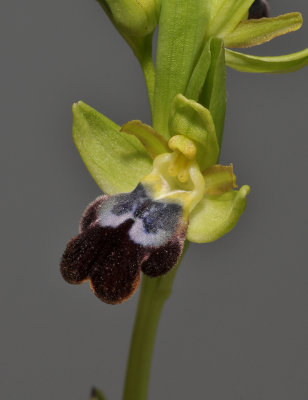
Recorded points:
(152,298)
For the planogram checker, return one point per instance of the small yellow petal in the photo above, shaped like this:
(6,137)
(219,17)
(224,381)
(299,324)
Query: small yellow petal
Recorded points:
(219,179)
(153,142)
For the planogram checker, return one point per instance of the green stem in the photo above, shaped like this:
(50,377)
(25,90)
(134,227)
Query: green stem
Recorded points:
(142,48)
(154,293)
(149,76)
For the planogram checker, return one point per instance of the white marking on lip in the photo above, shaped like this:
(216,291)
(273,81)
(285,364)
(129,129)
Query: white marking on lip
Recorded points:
(112,220)
(138,235)
(108,218)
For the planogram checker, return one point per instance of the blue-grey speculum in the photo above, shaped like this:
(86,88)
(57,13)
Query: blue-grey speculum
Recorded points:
(154,221)
(120,236)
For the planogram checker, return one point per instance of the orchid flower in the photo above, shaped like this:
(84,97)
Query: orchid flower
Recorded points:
(243,24)
(185,194)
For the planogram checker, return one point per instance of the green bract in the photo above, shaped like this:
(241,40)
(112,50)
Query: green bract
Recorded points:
(213,93)
(225,15)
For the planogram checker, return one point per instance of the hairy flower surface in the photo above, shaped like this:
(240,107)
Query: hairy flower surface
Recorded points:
(120,236)
(185,195)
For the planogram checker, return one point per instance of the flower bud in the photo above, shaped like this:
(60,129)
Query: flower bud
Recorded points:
(134,17)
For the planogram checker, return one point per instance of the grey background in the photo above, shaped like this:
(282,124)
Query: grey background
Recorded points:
(236,325)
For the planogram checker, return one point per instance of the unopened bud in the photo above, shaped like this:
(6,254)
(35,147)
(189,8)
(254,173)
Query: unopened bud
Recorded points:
(134,17)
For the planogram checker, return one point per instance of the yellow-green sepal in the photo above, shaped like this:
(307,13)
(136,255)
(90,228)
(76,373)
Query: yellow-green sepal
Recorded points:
(116,161)
(214,216)
(280,64)
(257,31)
(191,119)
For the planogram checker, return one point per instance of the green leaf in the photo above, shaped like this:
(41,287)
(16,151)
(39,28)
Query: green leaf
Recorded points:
(152,141)
(180,42)
(115,160)
(256,31)
(213,95)
(280,64)
(198,76)
(191,119)
(226,15)
(215,216)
